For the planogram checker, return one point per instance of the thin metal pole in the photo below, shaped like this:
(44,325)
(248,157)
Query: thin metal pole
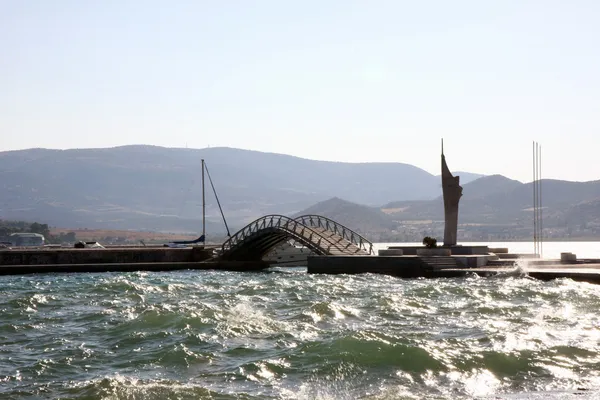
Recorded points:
(534,205)
(541,209)
(537,186)
(217,197)
(537,220)
(203,205)
(537,197)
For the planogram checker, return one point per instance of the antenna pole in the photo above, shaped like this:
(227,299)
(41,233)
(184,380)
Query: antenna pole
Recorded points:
(534,205)
(538,213)
(541,208)
(537,183)
(203,205)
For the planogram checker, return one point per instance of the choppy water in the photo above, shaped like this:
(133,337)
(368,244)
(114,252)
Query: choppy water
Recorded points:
(226,335)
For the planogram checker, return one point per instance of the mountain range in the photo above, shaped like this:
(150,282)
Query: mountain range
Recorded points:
(159,189)
(492,207)
(156,188)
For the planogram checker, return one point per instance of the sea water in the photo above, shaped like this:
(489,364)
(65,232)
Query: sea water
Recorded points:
(285,334)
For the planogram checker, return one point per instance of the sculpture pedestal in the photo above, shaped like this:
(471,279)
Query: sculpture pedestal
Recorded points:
(453,250)
(390,252)
(458,250)
(437,251)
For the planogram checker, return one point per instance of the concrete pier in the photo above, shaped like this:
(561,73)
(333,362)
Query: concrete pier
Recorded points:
(453,267)
(55,256)
(583,273)
(70,260)
(403,266)
(461,263)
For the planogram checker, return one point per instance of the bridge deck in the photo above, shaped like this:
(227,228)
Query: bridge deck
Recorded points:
(321,235)
(340,246)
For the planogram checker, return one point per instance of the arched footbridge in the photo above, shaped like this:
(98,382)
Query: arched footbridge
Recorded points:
(321,235)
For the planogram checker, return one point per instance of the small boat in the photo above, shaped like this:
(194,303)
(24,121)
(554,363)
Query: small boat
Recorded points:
(289,255)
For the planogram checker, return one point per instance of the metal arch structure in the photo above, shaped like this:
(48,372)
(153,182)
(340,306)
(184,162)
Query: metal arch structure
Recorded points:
(260,236)
(319,221)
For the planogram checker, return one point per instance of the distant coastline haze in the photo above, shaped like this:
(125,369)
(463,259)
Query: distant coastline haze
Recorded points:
(348,81)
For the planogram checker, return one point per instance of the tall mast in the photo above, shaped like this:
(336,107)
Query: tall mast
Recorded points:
(535,251)
(203,205)
(541,236)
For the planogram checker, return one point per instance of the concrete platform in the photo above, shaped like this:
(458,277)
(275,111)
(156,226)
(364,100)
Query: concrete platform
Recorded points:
(70,260)
(588,273)
(403,266)
(47,256)
(454,250)
(450,267)
(515,256)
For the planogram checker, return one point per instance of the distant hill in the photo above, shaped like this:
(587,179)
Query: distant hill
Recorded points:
(486,186)
(363,219)
(497,200)
(156,188)
(465,177)
(159,189)
(489,186)
(584,215)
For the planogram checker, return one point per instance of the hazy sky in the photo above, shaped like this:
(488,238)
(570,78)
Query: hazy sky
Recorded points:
(335,80)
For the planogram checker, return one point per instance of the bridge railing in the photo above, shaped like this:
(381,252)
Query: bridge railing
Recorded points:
(345,232)
(293,227)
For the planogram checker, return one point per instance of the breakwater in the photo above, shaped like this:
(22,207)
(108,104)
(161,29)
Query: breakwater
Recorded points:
(463,262)
(125,255)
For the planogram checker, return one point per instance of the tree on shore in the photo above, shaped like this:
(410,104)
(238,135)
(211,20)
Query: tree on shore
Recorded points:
(9,227)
